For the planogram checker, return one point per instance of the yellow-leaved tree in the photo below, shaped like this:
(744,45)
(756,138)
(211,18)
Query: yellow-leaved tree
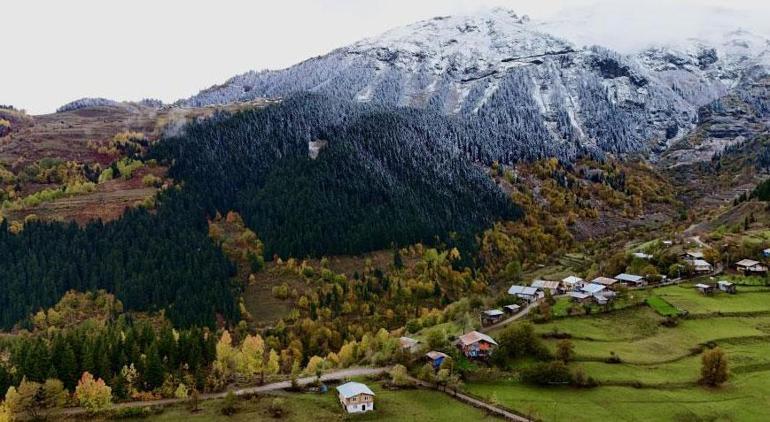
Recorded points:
(93,394)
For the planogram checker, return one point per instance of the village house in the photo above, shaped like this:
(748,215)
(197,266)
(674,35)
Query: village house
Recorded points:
(727,287)
(631,280)
(579,297)
(356,397)
(702,267)
(642,255)
(572,282)
(593,289)
(491,317)
(705,288)
(749,266)
(409,344)
(692,255)
(668,243)
(476,345)
(530,294)
(435,358)
(512,309)
(543,285)
(604,281)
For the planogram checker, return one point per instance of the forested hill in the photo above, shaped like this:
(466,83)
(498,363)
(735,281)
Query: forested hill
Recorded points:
(151,261)
(381,177)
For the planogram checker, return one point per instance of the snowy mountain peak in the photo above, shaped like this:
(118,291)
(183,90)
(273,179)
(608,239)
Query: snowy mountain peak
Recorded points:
(489,41)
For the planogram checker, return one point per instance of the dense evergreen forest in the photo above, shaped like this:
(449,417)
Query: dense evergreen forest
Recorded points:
(150,261)
(383,176)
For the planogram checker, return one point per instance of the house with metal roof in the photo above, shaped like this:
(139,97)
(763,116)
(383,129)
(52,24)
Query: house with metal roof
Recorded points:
(749,266)
(530,294)
(436,358)
(579,297)
(593,289)
(572,282)
(408,343)
(631,280)
(543,285)
(512,309)
(491,317)
(701,266)
(605,281)
(727,287)
(706,289)
(476,345)
(356,397)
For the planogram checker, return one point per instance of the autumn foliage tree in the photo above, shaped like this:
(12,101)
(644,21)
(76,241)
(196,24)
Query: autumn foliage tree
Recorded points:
(714,367)
(93,394)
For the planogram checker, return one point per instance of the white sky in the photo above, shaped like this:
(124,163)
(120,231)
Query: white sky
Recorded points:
(56,51)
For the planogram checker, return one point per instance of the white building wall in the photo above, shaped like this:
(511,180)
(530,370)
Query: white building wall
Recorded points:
(360,408)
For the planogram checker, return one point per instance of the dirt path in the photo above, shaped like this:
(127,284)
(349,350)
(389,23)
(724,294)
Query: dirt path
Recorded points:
(497,411)
(282,385)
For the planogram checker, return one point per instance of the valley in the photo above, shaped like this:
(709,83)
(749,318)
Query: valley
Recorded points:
(465,218)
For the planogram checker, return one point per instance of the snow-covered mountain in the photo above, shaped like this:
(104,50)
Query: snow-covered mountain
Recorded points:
(503,70)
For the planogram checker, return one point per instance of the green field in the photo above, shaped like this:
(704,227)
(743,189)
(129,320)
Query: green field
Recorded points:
(657,378)
(400,405)
(662,307)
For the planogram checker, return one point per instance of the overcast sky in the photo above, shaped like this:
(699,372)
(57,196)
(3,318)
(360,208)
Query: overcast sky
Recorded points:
(56,51)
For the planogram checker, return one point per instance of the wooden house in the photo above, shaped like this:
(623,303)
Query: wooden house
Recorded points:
(530,294)
(579,297)
(572,283)
(356,397)
(605,281)
(543,285)
(491,317)
(476,345)
(749,266)
(702,267)
(512,309)
(409,344)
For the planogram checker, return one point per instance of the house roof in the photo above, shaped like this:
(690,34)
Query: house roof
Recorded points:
(493,312)
(701,263)
(703,286)
(433,355)
(545,284)
(600,299)
(572,280)
(475,337)
(408,342)
(353,389)
(629,277)
(695,254)
(642,255)
(522,290)
(725,283)
(604,280)
(578,295)
(746,263)
(512,307)
(593,288)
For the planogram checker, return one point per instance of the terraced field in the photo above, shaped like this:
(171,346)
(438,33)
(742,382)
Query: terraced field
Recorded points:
(657,377)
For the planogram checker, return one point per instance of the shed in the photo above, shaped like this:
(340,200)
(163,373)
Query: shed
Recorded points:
(727,287)
(705,288)
(435,358)
(512,309)
(579,297)
(409,344)
(642,255)
(491,317)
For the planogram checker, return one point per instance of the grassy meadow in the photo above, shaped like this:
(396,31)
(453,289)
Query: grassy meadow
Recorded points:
(656,379)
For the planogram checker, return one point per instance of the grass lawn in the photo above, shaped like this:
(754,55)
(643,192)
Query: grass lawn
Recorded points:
(748,299)
(662,307)
(422,405)
(744,398)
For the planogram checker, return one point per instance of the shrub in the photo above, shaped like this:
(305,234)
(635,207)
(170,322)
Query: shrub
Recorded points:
(277,407)
(551,373)
(229,404)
